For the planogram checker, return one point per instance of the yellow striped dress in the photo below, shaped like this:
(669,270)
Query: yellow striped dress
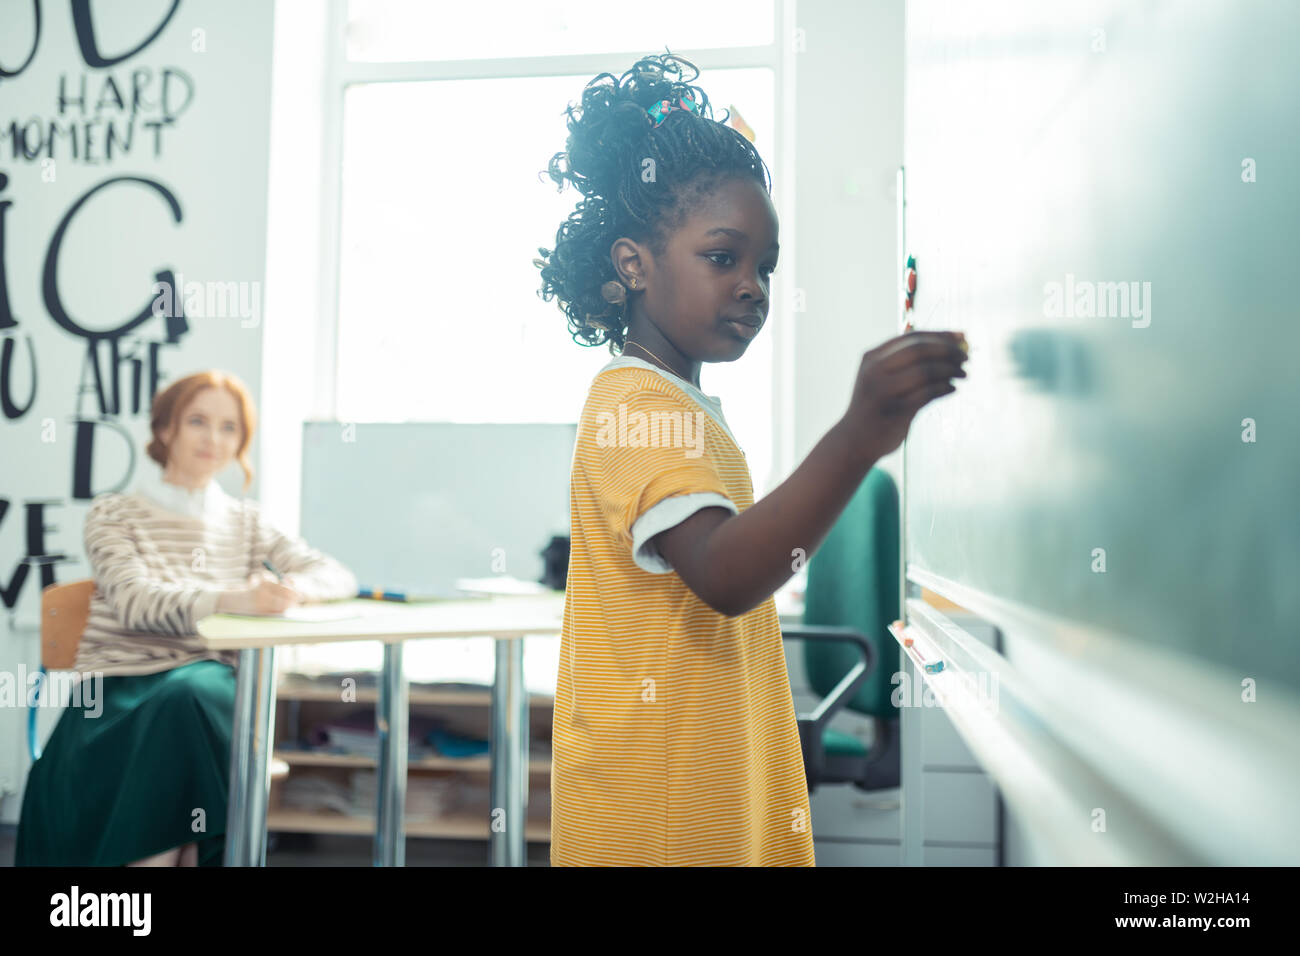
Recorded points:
(675,740)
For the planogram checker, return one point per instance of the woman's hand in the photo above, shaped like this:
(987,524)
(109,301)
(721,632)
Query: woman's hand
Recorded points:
(264,595)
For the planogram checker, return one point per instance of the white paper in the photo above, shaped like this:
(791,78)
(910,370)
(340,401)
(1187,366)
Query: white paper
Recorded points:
(310,612)
(500,585)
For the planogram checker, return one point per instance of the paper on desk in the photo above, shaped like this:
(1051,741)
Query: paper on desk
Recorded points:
(310,612)
(499,585)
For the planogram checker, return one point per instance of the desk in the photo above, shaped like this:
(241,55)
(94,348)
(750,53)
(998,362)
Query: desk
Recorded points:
(505,619)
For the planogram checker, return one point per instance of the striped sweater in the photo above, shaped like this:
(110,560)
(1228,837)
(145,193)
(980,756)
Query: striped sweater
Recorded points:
(675,739)
(158,571)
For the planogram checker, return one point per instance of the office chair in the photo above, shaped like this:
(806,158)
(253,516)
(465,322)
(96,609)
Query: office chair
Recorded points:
(851,597)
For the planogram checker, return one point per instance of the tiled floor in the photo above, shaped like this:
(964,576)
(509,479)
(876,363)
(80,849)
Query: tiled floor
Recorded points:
(294,849)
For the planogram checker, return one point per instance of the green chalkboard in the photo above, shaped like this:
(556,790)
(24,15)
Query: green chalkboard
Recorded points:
(1105,197)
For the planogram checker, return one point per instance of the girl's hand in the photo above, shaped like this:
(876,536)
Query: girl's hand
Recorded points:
(895,381)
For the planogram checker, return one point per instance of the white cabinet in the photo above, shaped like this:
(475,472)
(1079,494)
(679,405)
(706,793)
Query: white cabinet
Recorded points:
(950,807)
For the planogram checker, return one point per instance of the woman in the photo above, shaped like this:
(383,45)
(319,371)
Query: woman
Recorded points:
(137,774)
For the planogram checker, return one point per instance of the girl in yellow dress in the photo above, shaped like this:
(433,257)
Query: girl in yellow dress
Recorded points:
(675,739)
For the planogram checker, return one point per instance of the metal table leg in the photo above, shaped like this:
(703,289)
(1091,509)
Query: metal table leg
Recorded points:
(260,781)
(509,756)
(250,766)
(241,743)
(391,720)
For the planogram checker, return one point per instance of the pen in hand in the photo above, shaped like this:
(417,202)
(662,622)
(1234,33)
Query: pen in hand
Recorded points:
(260,596)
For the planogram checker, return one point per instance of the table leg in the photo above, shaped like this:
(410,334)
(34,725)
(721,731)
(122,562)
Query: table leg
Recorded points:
(250,744)
(241,744)
(260,788)
(509,756)
(392,724)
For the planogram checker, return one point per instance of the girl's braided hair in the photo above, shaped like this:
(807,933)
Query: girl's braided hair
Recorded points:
(637,180)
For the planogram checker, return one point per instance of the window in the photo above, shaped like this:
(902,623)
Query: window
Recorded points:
(442,209)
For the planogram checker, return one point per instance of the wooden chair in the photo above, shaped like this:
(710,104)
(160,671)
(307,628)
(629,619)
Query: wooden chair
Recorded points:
(65,609)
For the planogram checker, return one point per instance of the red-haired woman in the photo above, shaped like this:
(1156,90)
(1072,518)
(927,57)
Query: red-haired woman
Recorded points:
(138,772)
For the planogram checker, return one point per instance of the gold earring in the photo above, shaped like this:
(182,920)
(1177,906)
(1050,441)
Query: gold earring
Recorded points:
(634,282)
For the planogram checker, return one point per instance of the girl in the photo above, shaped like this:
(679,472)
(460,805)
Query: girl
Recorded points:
(123,788)
(675,736)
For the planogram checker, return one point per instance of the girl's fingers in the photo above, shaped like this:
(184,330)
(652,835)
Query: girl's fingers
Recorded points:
(910,339)
(915,376)
(912,402)
(919,347)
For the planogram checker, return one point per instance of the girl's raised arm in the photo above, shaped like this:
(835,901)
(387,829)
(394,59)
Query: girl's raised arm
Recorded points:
(735,562)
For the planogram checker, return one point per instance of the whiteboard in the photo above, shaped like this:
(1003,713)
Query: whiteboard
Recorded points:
(415,506)
(1130,466)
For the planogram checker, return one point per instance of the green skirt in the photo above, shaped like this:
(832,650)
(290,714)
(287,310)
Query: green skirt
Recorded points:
(129,782)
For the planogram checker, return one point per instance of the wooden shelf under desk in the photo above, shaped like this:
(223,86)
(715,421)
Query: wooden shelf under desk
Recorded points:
(463,709)
(301,758)
(452,826)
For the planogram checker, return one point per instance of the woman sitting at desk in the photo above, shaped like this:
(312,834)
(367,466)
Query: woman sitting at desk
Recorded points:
(145,782)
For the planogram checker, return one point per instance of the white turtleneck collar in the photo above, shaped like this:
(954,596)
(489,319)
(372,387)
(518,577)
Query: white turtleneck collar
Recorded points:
(207,502)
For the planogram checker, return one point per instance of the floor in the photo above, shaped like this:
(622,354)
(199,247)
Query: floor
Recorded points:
(309,849)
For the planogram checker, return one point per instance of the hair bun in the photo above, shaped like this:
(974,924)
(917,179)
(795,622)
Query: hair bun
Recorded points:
(605,128)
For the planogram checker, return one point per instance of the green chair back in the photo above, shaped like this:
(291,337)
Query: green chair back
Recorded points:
(853,581)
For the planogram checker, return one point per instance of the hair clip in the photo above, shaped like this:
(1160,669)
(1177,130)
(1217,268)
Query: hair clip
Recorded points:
(737,122)
(659,111)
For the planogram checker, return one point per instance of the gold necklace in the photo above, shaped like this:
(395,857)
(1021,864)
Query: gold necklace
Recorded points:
(665,365)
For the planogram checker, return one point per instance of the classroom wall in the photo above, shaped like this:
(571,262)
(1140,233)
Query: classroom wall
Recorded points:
(849,143)
(138,141)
